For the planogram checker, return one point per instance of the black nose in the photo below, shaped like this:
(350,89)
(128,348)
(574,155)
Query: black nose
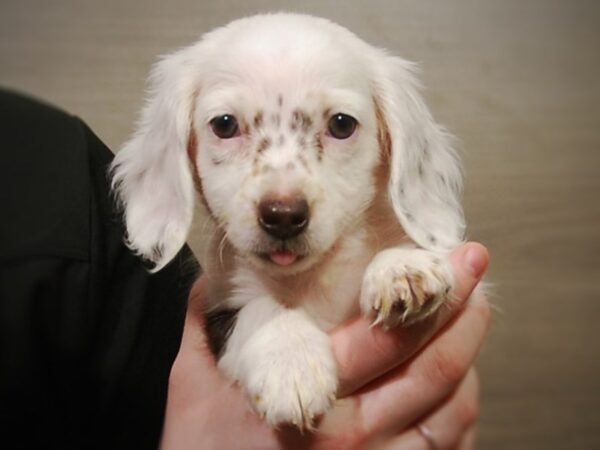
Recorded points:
(283,218)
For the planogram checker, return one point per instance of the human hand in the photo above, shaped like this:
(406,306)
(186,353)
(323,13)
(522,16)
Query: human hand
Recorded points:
(390,381)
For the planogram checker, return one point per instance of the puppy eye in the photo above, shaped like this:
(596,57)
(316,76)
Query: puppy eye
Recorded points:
(225,126)
(341,126)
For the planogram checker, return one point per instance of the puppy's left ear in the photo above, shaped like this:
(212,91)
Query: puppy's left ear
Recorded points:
(425,174)
(151,174)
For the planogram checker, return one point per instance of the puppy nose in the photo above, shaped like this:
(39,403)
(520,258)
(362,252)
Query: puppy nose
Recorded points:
(283,218)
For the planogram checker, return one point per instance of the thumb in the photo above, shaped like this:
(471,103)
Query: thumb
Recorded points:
(469,262)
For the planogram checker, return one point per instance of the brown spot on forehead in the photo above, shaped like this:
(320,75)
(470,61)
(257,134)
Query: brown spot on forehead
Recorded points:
(258,119)
(301,120)
(264,144)
(280,100)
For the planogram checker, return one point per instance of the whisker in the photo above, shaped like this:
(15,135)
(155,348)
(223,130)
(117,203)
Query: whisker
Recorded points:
(221,249)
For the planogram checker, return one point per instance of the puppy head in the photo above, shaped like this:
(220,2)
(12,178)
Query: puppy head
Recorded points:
(283,121)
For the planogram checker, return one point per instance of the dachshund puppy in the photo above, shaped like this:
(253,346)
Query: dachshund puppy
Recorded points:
(324,187)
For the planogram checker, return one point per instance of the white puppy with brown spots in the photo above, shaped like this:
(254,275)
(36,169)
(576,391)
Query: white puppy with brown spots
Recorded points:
(322,179)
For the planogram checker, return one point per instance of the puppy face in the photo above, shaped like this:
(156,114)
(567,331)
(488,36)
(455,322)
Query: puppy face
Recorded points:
(282,121)
(287,145)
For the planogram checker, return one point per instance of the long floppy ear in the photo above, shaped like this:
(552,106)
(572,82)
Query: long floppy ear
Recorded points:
(425,175)
(151,176)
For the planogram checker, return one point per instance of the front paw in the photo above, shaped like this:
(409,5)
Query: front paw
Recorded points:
(404,286)
(290,378)
(292,396)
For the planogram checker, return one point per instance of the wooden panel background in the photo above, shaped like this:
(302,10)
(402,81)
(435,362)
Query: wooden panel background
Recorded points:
(516,81)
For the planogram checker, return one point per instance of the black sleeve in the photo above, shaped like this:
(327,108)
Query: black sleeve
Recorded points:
(87,334)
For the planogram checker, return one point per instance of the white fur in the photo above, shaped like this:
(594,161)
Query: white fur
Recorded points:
(271,72)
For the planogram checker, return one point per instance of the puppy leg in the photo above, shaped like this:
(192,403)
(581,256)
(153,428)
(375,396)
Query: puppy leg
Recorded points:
(283,362)
(403,286)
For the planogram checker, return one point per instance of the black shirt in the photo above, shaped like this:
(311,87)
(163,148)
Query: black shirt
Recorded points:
(87,334)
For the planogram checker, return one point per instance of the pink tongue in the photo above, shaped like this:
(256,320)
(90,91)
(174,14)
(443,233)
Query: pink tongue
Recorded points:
(282,258)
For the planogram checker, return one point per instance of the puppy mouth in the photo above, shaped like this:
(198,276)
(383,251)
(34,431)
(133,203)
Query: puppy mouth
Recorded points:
(282,257)
(286,253)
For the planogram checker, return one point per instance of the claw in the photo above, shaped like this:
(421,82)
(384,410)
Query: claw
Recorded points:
(377,321)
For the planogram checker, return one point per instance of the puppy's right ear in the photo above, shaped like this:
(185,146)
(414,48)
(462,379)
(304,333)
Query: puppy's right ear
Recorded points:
(151,175)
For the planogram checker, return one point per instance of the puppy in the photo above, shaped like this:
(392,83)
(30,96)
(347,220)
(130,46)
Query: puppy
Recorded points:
(325,187)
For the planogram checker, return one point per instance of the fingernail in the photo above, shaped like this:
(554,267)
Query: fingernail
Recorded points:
(476,259)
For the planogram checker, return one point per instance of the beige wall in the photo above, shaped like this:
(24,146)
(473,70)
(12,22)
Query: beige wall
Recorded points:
(518,83)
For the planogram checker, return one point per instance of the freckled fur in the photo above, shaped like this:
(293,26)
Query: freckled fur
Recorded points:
(318,142)
(301,120)
(264,144)
(258,120)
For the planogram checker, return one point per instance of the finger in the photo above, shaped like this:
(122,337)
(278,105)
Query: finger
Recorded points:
(364,353)
(458,414)
(428,379)
(448,426)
